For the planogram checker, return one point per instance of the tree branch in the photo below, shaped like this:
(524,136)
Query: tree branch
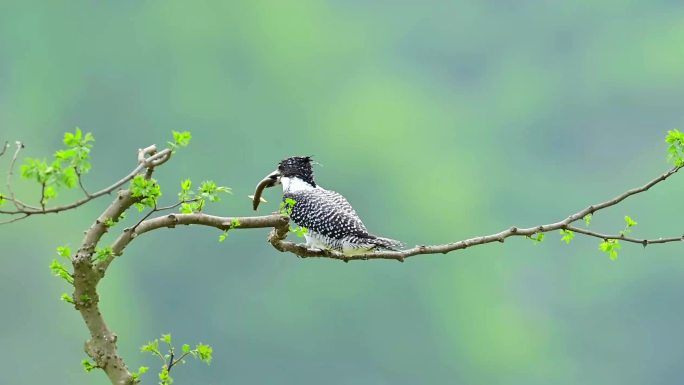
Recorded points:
(21,207)
(87,271)
(172,220)
(280,231)
(102,345)
(15,219)
(80,183)
(146,163)
(277,236)
(622,237)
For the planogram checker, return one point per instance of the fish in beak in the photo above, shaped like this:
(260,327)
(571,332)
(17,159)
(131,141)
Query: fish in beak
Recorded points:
(270,180)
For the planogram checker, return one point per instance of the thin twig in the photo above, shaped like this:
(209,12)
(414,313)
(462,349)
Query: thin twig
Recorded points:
(173,206)
(4,148)
(42,195)
(154,210)
(14,219)
(622,237)
(170,365)
(80,183)
(180,359)
(157,209)
(10,172)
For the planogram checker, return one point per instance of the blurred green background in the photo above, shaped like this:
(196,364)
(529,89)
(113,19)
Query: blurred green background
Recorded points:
(438,121)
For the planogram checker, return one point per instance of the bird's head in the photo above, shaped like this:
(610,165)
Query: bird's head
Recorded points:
(297,167)
(293,170)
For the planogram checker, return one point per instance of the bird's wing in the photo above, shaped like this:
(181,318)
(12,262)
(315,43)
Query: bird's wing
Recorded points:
(325,212)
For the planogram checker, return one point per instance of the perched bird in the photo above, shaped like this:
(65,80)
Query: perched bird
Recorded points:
(330,220)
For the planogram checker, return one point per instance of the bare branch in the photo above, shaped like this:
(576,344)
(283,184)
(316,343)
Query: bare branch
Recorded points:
(622,237)
(612,202)
(172,220)
(21,207)
(15,219)
(42,196)
(80,183)
(158,209)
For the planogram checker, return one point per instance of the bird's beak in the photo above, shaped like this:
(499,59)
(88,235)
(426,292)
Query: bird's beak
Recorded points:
(270,180)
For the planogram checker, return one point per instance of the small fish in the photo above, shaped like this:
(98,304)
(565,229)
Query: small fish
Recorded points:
(261,200)
(270,181)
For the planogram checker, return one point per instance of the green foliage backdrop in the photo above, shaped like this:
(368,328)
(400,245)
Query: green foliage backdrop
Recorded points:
(438,121)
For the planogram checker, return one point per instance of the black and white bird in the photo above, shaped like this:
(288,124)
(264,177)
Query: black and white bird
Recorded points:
(330,220)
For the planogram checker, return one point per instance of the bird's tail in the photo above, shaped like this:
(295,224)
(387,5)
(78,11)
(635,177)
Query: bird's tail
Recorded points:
(386,243)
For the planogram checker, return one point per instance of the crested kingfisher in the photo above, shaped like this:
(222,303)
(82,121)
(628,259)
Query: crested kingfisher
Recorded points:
(330,220)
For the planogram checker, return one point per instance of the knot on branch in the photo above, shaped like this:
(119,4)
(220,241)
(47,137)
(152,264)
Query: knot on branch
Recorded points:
(150,158)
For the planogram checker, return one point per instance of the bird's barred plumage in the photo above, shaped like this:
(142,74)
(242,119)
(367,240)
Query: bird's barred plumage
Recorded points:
(331,222)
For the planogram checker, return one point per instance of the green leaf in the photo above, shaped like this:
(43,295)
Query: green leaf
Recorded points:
(152,347)
(164,377)
(147,190)
(60,271)
(77,154)
(208,190)
(185,194)
(87,365)
(67,298)
(78,139)
(204,352)
(287,206)
(35,169)
(166,338)
(181,139)
(70,139)
(629,221)
(536,237)
(68,177)
(188,208)
(610,247)
(49,193)
(64,251)
(299,231)
(567,236)
(2,200)
(675,139)
(186,348)
(224,189)
(103,254)
(234,223)
(186,184)
(194,202)
(587,219)
(141,370)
